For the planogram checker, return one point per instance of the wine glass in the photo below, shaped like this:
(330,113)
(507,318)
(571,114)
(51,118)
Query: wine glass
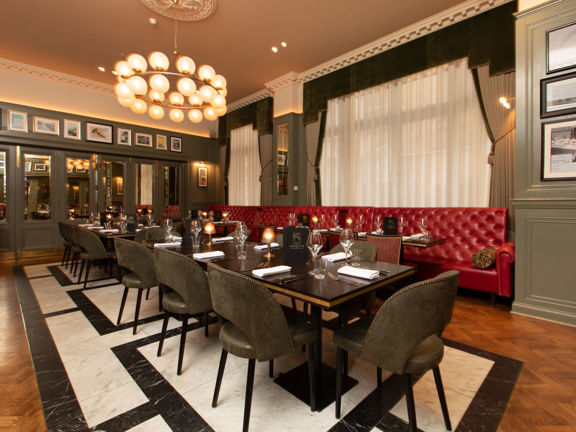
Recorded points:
(168,228)
(315,243)
(424,228)
(378,224)
(322,221)
(335,219)
(241,232)
(401,224)
(360,223)
(347,240)
(196,229)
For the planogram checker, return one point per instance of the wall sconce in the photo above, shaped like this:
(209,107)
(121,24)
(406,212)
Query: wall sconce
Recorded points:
(268,237)
(506,102)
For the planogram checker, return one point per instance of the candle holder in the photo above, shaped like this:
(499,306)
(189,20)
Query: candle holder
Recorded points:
(209,229)
(349,223)
(268,237)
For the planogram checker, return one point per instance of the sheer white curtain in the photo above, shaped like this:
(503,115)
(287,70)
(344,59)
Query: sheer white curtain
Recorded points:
(244,171)
(419,141)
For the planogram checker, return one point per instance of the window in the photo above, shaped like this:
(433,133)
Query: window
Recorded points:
(144,183)
(244,174)
(416,141)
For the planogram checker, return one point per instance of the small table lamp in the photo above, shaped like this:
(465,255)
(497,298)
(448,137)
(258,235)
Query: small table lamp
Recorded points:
(268,237)
(209,229)
(225,216)
(315,221)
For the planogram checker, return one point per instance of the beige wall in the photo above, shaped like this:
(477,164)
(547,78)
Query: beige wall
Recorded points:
(527,4)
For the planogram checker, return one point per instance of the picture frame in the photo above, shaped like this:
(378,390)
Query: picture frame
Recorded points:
(100,133)
(124,137)
(559,150)
(558,95)
(72,129)
(176,144)
(39,167)
(28,166)
(45,125)
(281,159)
(17,121)
(161,142)
(561,48)
(203,177)
(143,140)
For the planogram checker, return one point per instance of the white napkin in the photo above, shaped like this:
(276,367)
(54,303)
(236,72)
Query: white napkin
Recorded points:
(203,255)
(338,256)
(359,272)
(322,230)
(110,231)
(271,270)
(86,225)
(168,244)
(265,246)
(221,239)
(95,228)
(412,237)
(361,234)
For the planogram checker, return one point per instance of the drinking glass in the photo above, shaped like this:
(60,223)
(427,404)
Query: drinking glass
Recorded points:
(320,268)
(315,243)
(168,227)
(360,223)
(241,250)
(347,240)
(322,221)
(335,219)
(196,229)
(378,224)
(401,224)
(424,228)
(356,257)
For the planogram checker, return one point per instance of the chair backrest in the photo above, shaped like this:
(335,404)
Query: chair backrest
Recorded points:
(156,233)
(90,242)
(185,276)
(251,307)
(389,247)
(368,251)
(407,318)
(138,259)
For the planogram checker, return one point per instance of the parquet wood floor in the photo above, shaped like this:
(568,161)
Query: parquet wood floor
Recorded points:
(544,399)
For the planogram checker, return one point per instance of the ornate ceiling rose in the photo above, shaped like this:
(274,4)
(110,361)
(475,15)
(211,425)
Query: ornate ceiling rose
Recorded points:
(183,10)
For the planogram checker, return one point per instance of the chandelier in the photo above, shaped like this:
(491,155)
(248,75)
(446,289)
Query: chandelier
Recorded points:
(150,87)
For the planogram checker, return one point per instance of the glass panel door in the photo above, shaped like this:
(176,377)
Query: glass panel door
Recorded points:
(144,184)
(77,187)
(112,177)
(37,170)
(171,185)
(3,164)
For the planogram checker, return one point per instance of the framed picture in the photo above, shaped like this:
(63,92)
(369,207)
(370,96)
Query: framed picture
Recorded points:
(39,167)
(203,176)
(28,166)
(559,150)
(175,144)
(99,133)
(561,48)
(144,140)
(161,142)
(2,164)
(124,137)
(47,126)
(558,95)
(17,121)
(72,129)
(281,159)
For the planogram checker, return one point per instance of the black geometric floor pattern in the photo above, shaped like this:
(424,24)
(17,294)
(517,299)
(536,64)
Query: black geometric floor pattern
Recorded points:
(63,413)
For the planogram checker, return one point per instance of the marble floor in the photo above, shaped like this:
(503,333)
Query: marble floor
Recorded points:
(95,375)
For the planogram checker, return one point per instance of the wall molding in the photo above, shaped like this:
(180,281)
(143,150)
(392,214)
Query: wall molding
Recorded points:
(254,97)
(50,75)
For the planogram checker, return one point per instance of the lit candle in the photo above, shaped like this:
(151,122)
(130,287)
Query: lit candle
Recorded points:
(349,222)
(268,237)
(209,229)
(225,216)
(315,220)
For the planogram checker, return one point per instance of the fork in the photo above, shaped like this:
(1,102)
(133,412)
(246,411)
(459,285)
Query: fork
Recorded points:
(337,279)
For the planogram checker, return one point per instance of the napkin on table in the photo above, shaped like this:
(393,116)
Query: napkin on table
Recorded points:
(168,244)
(271,270)
(359,272)
(95,228)
(413,237)
(203,255)
(110,231)
(338,256)
(221,239)
(265,246)
(86,225)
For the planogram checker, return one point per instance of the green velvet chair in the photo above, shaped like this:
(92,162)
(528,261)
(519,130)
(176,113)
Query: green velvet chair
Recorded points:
(93,252)
(368,251)
(139,260)
(255,327)
(186,294)
(403,337)
(155,233)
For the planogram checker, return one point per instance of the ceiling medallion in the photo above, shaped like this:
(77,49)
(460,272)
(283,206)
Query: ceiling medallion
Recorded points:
(183,10)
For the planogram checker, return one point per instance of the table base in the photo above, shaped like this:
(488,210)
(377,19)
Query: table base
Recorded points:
(296,382)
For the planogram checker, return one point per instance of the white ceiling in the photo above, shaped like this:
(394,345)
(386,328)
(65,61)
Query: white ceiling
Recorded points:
(77,36)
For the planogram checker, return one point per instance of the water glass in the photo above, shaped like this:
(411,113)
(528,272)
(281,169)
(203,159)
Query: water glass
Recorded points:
(356,257)
(320,268)
(241,250)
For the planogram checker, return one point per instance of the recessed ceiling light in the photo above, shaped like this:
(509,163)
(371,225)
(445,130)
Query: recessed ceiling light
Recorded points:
(284,44)
(274,49)
(101,69)
(152,21)
(114,73)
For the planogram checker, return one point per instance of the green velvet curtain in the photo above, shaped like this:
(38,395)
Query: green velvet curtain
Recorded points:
(487,38)
(259,114)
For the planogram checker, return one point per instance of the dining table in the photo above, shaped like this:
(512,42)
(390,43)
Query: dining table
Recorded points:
(299,283)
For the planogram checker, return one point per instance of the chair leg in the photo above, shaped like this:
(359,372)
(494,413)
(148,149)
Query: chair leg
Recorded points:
(442,397)
(249,388)
(163,333)
(160,297)
(379,377)
(88,265)
(76,264)
(182,344)
(312,377)
(122,304)
(271,368)
(294,306)
(221,367)
(81,271)
(339,366)
(147,293)
(137,311)
(65,255)
(407,381)
(206,324)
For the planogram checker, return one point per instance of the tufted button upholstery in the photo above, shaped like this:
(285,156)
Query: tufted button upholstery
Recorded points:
(466,229)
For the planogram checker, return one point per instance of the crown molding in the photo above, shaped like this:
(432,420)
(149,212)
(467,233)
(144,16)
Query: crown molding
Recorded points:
(47,74)
(284,81)
(254,97)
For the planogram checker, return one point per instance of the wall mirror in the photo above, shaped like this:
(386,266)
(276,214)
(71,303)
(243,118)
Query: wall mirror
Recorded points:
(282,148)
